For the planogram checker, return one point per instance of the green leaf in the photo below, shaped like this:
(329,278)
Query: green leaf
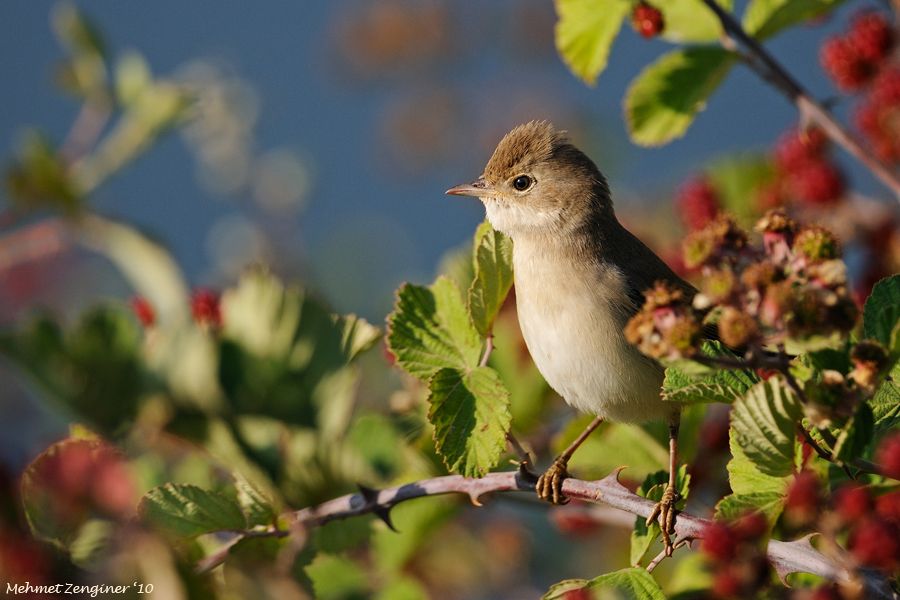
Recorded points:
(664,98)
(765,18)
(256,507)
(430,330)
(736,179)
(882,311)
(337,578)
(653,488)
(188,511)
(93,370)
(724,385)
(357,335)
(690,21)
(886,407)
(613,445)
(764,422)
(625,584)
(470,414)
(856,435)
(770,504)
(585,33)
(743,475)
(493,277)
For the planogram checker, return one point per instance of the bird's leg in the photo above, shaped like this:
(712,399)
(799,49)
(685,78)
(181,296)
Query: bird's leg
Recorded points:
(665,508)
(549,485)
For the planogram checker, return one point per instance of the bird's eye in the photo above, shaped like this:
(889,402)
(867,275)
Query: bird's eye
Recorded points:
(522,182)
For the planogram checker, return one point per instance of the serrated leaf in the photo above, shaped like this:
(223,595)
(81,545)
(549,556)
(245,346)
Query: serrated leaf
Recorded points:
(430,330)
(664,98)
(470,414)
(886,407)
(770,504)
(653,488)
(493,277)
(585,32)
(743,475)
(764,18)
(690,21)
(764,422)
(256,507)
(724,385)
(625,584)
(187,510)
(882,311)
(856,435)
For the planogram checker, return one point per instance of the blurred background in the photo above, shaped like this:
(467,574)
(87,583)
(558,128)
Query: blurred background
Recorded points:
(334,127)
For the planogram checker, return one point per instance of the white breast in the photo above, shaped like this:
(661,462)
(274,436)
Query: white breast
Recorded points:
(575,337)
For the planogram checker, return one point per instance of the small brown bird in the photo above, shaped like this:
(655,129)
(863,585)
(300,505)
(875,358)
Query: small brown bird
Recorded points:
(579,277)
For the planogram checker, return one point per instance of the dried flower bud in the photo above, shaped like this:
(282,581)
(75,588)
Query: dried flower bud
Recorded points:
(720,241)
(719,285)
(736,328)
(816,244)
(869,358)
(666,326)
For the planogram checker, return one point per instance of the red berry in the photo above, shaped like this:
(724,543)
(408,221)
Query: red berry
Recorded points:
(697,203)
(846,67)
(726,584)
(888,507)
(816,182)
(878,117)
(647,20)
(876,543)
(796,147)
(205,307)
(751,527)
(579,594)
(888,455)
(852,502)
(802,498)
(871,36)
(719,541)
(143,310)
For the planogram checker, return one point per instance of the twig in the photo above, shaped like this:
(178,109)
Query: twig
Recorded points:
(765,65)
(787,557)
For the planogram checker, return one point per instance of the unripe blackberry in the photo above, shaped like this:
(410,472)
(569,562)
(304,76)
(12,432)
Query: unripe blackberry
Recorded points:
(804,494)
(852,502)
(888,455)
(797,147)
(871,36)
(719,542)
(143,310)
(697,203)
(205,307)
(876,543)
(844,65)
(816,182)
(647,20)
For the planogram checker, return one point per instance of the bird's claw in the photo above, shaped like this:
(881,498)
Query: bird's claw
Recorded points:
(665,511)
(549,485)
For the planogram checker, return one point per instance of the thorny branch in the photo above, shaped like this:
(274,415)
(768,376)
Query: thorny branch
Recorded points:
(786,557)
(765,65)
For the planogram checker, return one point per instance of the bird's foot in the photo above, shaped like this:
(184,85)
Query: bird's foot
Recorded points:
(665,511)
(549,485)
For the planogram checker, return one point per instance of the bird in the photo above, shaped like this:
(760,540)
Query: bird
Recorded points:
(579,277)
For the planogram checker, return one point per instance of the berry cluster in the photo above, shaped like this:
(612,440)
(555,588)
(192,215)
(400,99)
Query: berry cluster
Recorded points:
(853,59)
(735,551)
(647,20)
(793,287)
(866,524)
(205,308)
(878,115)
(804,171)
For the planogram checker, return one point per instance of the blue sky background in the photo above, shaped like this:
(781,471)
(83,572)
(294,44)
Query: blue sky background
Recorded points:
(370,220)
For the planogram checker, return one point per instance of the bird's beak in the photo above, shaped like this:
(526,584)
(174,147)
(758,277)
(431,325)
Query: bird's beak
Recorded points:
(478,188)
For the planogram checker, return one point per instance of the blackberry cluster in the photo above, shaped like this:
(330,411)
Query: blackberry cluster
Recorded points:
(853,59)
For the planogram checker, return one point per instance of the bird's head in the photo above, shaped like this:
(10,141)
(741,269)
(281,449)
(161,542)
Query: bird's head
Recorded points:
(537,182)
